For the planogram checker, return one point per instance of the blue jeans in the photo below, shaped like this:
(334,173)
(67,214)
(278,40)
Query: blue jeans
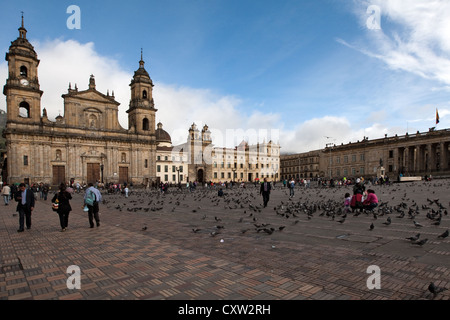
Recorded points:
(291,192)
(6,198)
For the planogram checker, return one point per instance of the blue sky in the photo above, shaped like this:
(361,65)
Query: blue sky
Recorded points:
(302,69)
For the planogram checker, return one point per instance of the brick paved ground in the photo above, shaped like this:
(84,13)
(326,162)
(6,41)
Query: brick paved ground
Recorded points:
(316,259)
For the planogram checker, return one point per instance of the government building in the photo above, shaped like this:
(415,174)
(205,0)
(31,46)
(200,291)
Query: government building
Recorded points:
(419,154)
(87,144)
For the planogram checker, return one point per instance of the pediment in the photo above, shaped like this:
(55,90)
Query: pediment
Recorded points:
(91,95)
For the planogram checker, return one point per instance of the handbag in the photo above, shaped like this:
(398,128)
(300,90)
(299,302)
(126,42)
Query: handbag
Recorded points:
(85,209)
(55,205)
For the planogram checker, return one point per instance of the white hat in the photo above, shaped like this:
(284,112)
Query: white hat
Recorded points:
(358,180)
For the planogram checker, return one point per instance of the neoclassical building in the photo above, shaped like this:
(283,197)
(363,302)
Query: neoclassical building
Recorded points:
(418,154)
(87,144)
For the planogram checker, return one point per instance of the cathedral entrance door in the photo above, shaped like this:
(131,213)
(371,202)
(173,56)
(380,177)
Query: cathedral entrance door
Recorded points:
(200,175)
(93,172)
(59,175)
(123,174)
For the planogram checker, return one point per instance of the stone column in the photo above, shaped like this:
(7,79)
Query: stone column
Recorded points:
(420,158)
(431,157)
(412,159)
(444,156)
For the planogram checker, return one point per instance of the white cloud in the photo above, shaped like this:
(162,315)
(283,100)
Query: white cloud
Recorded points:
(414,37)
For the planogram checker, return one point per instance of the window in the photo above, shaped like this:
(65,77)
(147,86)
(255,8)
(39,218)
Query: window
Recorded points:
(361,170)
(146,163)
(174,178)
(173,169)
(166,169)
(229,175)
(353,171)
(181,177)
(166,177)
(215,175)
(345,159)
(181,168)
(391,153)
(354,158)
(23,71)
(145,124)
(24,110)
(144,94)
(361,157)
(159,158)
(25,160)
(158,168)
(222,175)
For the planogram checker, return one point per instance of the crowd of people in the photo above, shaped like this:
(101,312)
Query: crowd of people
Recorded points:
(25,196)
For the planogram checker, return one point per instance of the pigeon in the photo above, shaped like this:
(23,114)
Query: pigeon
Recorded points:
(444,235)
(214,233)
(195,230)
(434,289)
(414,238)
(371,227)
(417,224)
(217,219)
(388,221)
(421,242)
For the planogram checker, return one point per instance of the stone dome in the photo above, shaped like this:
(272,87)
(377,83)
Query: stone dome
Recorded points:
(162,135)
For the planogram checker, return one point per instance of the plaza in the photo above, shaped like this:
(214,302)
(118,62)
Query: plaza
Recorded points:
(197,246)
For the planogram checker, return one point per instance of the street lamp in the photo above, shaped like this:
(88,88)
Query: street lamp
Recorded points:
(178,171)
(101,169)
(329,145)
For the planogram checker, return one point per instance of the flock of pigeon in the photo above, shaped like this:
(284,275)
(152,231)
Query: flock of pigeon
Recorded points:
(240,211)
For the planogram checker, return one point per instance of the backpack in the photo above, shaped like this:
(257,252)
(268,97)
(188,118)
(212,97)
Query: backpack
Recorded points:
(90,198)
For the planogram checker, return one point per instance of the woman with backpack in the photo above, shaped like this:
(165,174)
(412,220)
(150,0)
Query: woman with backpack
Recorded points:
(64,208)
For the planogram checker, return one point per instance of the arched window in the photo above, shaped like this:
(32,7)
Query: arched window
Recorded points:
(144,94)
(145,124)
(23,71)
(24,110)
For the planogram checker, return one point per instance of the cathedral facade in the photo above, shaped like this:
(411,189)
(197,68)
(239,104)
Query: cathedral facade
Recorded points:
(87,144)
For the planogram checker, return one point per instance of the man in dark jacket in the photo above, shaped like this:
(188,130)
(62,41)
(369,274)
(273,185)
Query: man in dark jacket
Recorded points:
(265,191)
(25,206)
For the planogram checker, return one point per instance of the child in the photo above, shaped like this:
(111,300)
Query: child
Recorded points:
(347,201)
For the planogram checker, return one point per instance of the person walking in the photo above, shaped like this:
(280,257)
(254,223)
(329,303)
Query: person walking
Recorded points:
(25,206)
(6,193)
(265,191)
(64,207)
(92,197)
(291,188)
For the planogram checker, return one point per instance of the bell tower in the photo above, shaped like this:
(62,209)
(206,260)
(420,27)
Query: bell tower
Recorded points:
(23,95)
(141,114)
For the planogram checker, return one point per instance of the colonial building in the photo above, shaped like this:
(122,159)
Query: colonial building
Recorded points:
(87,143)
(199,160)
